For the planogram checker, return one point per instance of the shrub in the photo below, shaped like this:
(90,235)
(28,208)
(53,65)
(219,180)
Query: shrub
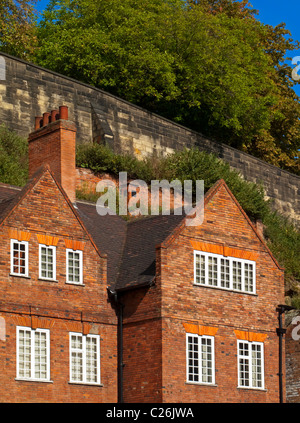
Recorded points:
(13,157)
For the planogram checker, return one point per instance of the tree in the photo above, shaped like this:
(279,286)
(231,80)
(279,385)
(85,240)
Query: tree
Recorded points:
(209,65)
(17,28)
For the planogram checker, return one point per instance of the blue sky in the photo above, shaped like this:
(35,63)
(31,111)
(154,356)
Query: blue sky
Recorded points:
(274,12)
(271,12)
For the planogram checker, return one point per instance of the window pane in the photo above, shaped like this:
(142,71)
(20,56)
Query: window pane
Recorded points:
(244,372)
(193,361)
(77,358)
(256,366)
(18,253)
(40,351)
(212,271)
(74,267)
(225,273)
(77,367)
(200,269)
(248,275)
(91,360)
(47,262)
(24,353)
(237,275)
(207,360)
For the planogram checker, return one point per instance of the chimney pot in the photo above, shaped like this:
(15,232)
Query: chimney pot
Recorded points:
(37,123)
(54,115)
(63,112)
(46,118)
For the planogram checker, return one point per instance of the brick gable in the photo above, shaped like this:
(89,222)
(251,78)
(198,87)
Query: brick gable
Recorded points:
(42,213)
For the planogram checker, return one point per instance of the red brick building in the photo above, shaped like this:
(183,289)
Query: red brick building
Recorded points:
(58,331)
(94,308)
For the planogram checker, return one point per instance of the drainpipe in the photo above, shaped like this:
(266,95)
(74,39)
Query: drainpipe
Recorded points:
(120,350)
(280,332)
(119,310)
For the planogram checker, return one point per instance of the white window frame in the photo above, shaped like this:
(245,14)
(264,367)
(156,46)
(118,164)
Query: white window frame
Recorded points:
(69,250)
(201,375)
(12,272)
(83,351)
(33,356)
(48,247)
(250,359)
(217,258)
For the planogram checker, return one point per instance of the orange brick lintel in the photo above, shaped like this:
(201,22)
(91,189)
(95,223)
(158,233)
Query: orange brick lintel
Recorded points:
(224,251)
(74,245)
(19,235)
(250,336)
(199,329)
(47,239)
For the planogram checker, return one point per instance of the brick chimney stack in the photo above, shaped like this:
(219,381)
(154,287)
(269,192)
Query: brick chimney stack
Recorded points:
(53,142)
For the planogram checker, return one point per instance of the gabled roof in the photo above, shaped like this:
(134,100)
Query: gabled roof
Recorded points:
(108,233)
(7,195)
(139,254)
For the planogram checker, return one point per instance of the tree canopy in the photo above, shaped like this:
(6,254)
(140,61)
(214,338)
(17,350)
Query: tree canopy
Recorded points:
(210,65)
(17,28)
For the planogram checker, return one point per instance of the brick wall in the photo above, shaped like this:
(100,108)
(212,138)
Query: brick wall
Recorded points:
(293,361)
(142,353)
(59,389)
(104,118)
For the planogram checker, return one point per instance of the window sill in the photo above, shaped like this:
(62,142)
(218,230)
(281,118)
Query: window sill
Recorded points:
(21,379)
(47,280)
(75,283)
(85,383)
(235,291)
(16,275)
(213,385)
(245,388)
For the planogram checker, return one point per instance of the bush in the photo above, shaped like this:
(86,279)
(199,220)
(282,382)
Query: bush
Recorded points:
(13,158)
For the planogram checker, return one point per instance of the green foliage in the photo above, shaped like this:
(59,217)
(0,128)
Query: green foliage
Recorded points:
(13,158)
(185,165)
(284,241)
(100,158)
(18,28)
(208,64)
(197,165)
